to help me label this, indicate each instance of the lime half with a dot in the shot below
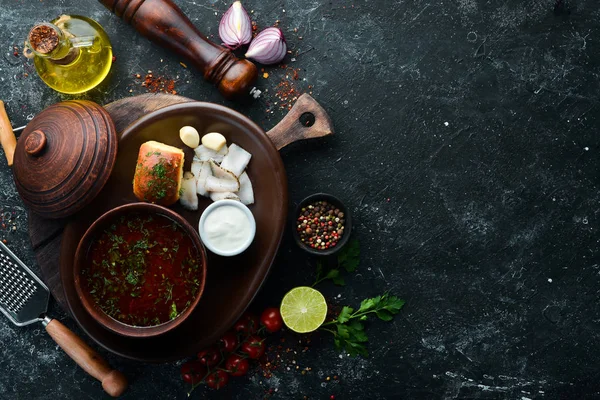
(303, 309)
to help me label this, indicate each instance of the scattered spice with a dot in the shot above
(114, 58)
(157, 84)
(8, 222)
(320, 225)
(182, 64)
(266, 75)
(287, 92)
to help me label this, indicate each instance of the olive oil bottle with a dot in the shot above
(72, 54)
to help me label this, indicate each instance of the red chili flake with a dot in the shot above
(158, 84)
(114, 58)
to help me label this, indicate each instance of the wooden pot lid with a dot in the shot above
(64, 157)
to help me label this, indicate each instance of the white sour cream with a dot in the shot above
(227, 228)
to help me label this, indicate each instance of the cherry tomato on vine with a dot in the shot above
(271, 319)
(217, 379)
(247, 324)
(228, 342)
(254, 347)
(193, 372)
(209, 356)
(237, 365)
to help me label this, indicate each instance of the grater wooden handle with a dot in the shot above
(7, 136)
(113, 382)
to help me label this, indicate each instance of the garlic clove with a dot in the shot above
(189, 136)
(214, 141)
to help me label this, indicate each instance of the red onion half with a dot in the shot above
(235, 28)
(268, 47)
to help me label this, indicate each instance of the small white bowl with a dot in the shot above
(206, 240)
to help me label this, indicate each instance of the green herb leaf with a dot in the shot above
(339, 281)
(345, 315)
(173, 313)
(349, 334)
(357, 349)
(393, 304)
(367, 304)
(349, 256)
(384, 315)
(332, 274)
(343, 331)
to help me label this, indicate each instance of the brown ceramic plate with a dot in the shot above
(231, 282)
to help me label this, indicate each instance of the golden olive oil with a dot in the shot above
(80, 58)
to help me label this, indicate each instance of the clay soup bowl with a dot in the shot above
(82, 259)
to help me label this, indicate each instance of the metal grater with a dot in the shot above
(23, 296)
(24, 300)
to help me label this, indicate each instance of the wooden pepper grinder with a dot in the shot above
(164, 23)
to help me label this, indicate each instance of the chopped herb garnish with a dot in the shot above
(132, 279)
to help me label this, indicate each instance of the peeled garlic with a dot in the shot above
(189, 136)
(214, 141)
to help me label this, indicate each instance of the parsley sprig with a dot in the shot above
(348, 259)
(349, 332)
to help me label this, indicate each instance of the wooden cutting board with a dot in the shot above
(46, 234)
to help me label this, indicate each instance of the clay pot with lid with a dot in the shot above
(63, 158)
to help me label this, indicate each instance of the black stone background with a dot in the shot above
(467, 151)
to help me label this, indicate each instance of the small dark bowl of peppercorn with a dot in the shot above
(322, 224)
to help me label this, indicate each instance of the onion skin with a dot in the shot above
(268, 47)
(235, 28)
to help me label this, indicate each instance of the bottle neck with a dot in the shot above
(50, 42)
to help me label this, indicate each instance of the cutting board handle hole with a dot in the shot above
(307, 119)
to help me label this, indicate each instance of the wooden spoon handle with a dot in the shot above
(113, 382)
(7, 136)
(306, 120)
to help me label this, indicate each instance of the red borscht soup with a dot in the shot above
(142, 270)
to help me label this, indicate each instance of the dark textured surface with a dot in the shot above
(477, 120)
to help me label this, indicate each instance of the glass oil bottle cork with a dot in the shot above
(72, 54)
